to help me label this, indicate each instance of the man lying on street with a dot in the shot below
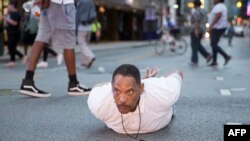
(129, 105)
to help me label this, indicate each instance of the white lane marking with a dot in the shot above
(101, 69)
(233, 123)
(238, 89)
(225, 92)
(219, 78)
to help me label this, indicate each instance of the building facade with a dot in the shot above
(125, 19)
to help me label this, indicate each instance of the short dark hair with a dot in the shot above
(128, 70)
(197, 3)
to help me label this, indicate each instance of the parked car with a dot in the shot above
(238, 31)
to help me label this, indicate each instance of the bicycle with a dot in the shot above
(174, 43)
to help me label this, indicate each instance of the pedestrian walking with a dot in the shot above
(230, 33)
(129, 105)
(46, 50)
(217, 27)
(12, 21)
(85, 16)
(1, 38)
(29, 29)
(96, 31)
(198, 20)
(57, 22)
(87, 57)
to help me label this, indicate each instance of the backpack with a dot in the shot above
(30, 24)
(86, 12)
(170, 24)
(199, 15)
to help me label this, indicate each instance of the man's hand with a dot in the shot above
(151, 72)
(209, 29)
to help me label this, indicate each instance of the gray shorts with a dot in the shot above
(58, 24)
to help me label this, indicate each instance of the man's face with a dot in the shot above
(126, 93)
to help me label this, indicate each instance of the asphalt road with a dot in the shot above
(210, 97)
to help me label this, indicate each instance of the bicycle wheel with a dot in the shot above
(160, 47)
(181, 46)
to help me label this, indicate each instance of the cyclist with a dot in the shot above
(172, 34)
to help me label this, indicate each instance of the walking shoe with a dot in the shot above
(227, 60)
(209, 58)
(24, 59)
(42, 64)
(90, 63)
(10, 64)
(28, 88)
(59, 59)
(78, 90)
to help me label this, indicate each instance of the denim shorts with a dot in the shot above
(58, 24)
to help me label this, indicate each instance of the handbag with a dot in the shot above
(43, 4)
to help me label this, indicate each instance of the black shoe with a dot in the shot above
(78, 90)
(209, 58)
(28, 88)
(90, 63)
(227, 60)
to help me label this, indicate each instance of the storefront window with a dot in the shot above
(3, 7)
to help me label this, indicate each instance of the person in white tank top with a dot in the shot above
(217, 27)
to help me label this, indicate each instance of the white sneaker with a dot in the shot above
(24, 59)
(59, 59)
(42, 64)
(10, 64)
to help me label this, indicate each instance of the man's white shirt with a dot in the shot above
(222, 23)
(155, 105)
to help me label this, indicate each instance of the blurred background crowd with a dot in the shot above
(127, 20)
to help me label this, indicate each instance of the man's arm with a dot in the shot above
(99, 101)
(168, 88)
(216, 19)
(11, 21)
